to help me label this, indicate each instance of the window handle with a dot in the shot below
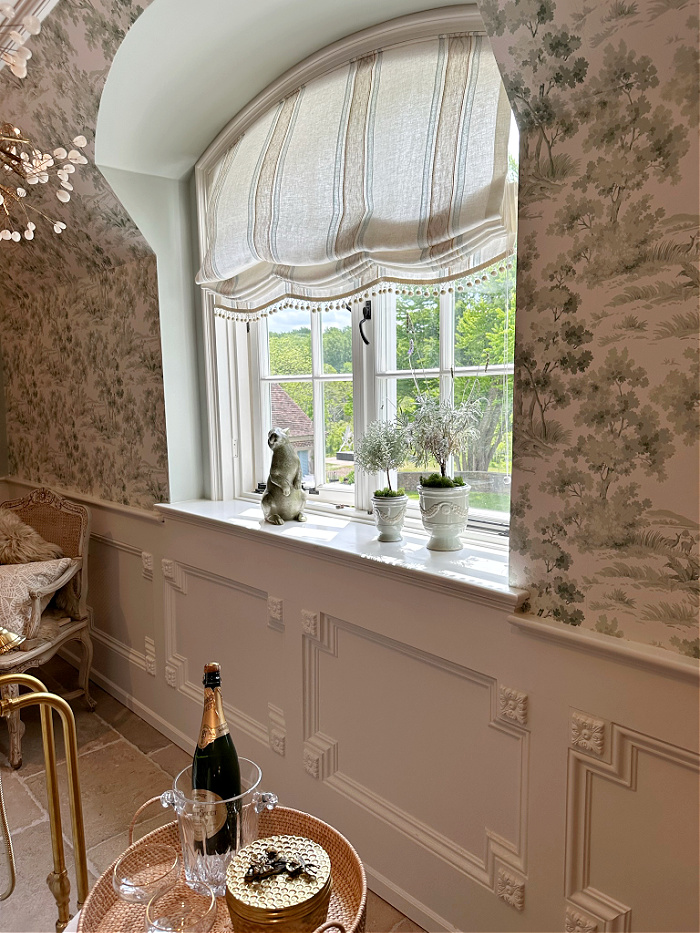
(366, 316)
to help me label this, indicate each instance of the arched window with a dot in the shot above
(369, 186)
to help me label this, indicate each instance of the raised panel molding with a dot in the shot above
(512, 705)
(140, 659)
(147, 565)
(175, 576)
(275, 613)
(150, 654)
(602, 912)
(511, 889)
(501, 858)
(137, 658)
(577, 923)
(588, 733)
(277, 729)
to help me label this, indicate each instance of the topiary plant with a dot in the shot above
(383, 447)
(438, 430)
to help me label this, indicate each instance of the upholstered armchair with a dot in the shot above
(58, 610)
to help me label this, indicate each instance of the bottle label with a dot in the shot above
(214, 724)
(208, 815)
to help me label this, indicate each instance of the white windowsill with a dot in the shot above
(479, 572)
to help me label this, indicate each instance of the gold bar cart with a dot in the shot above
(57, 880)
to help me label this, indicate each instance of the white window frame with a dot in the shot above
(239, 377)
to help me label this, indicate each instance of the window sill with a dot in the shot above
(479, 572)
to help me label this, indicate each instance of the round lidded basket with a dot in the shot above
(279, 902)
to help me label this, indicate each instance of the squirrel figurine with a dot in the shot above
(283, 499)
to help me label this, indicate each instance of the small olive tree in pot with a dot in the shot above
(436, 432)
(382, 448)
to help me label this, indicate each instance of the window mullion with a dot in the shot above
(255, 336)
(447, 353)
(319, 418)
(364, 390)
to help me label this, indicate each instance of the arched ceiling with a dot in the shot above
(185, 69)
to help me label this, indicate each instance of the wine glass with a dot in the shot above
(183, 908)
(145, 871)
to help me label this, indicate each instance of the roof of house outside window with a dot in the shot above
(288, 415)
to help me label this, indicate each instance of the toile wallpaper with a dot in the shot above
(605, 481)
(605, 484)
(79, 327)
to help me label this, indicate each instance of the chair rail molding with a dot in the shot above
(587, 748)
(501, 858)
(175, 577)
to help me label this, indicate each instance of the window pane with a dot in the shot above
(417, 332)
(289, 335)
(291, 408)
(337, 341)
(337, 399)
(480, 319)
(406, 392)
(486, 464)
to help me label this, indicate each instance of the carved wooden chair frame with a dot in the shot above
(67, 524)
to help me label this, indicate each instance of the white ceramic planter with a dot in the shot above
(389, 513)
(444, 513)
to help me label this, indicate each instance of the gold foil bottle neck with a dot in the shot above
(214, 722)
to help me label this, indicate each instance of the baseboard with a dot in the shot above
(146, 713)
(402, 900)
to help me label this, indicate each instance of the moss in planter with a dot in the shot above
(387, 493)
(436, 481)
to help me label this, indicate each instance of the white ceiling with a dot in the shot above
(185, 69)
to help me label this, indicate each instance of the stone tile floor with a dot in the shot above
(123, 760)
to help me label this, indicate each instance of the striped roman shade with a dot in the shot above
(391, 167)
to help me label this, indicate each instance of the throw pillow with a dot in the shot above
(17, 581)
(20, 544)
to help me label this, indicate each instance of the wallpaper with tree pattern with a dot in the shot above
(605, 484)
(79, 328)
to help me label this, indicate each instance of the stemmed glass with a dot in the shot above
(145, 871)
(183, 908)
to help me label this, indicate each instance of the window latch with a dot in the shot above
(366, 316)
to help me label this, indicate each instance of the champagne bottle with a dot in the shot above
(215, 772)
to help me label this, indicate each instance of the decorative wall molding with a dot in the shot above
(277, 729)
(93, 501)
(275, 613)
(175, 576)
(510, 889)
(606, 913)
(321, 754)
(512, 705)
(137, 658)
(150, 654)
(646, 657)
(577, 923)
(147, 564)
(588, 733)
(140, 659)
(310, 623)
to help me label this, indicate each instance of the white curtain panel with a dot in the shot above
(391, 167)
